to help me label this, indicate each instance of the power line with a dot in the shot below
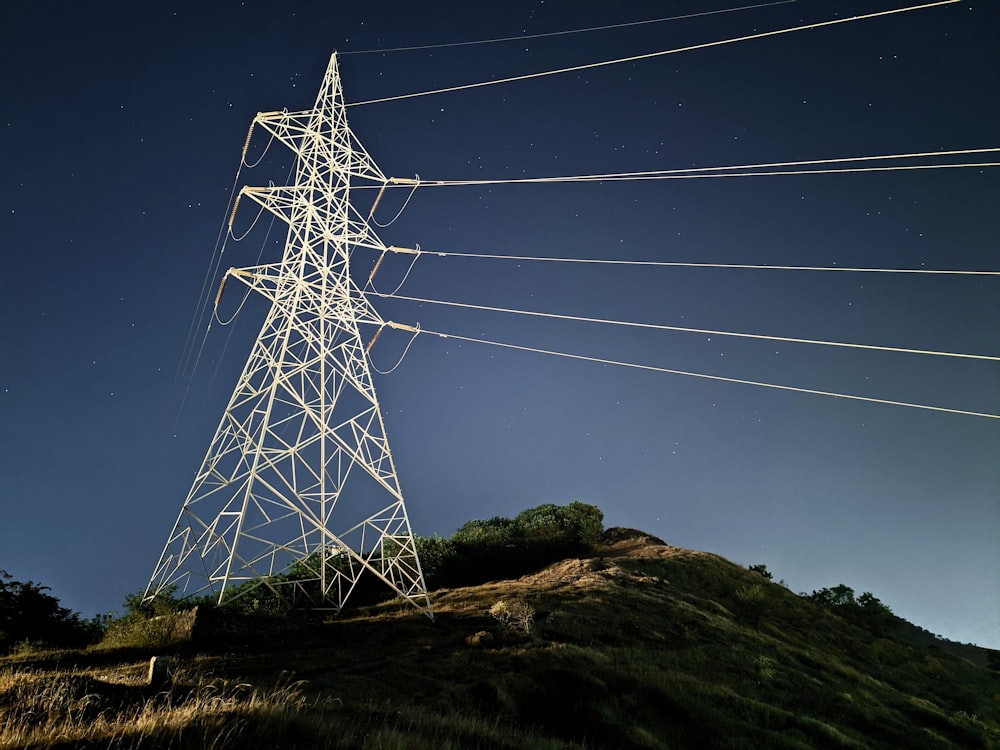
(681, 264)
(732, 170)
(649, 55)
(684, 329)
(215, 261)
(843, 170)
(523, 37)
(670, 371)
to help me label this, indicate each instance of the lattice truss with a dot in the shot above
(299, 474)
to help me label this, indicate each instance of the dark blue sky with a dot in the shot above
(121, 134)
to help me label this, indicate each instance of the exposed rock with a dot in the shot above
(618, 534)
(479, 639)
(159, 671)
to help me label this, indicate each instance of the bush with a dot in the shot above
(866, 610)
(576, 526)
(29, 615)
(752, 603)
(506, 548)
(150, 623)
(515, 616)
(139, 631)
(440, 560)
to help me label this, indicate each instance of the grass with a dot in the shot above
(78, 709)
(643, 646)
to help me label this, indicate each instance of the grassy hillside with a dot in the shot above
(637, 645)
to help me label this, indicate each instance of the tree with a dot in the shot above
(577, 526)
(838, 596)
(875, 614)
(761, 569)
(163, 603)
(865, 610)
(496, 531)
(504, 548)
(587, 521)
(440, 560)
(28, 613)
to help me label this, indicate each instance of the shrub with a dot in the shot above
(149, 623)
(515, 616)
(30, 615)
(139, 631)
(576, 526)
(439, 560)
(765, 667)
(505, 548)
(752, 603)
(866, 610)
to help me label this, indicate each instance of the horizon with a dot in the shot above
(123, 134)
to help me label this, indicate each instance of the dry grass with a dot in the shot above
(642, 646)
(47, 709)
(73, 709)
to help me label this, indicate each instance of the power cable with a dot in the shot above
(681, 264)
(213, 264)
(733, 170)
(670, 371)
(684, 329)
(649, 55)
(523, 37)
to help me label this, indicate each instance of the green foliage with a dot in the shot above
(157, 622)
(642, 647)
(587, 522)
(262, 598)
(496, 531)
(577, 525)
(301, 585)
(752, 603)
(480, 550)
(497, 548)
(865, 610)
(440, 560)
(32, 619)
(993, 661)
(765, 667)
(163, 603)
(761, 569)
(838, 596)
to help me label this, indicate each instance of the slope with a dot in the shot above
(641, 645)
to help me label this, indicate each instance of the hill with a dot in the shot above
(639, 644)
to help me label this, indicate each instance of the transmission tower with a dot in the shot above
(299, 477)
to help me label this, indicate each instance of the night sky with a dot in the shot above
(122, 130)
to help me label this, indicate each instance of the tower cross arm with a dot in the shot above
(291, 128)
(265, 280)
(303, 132)
(274, 281)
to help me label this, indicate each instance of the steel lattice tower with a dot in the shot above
(299, 472)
